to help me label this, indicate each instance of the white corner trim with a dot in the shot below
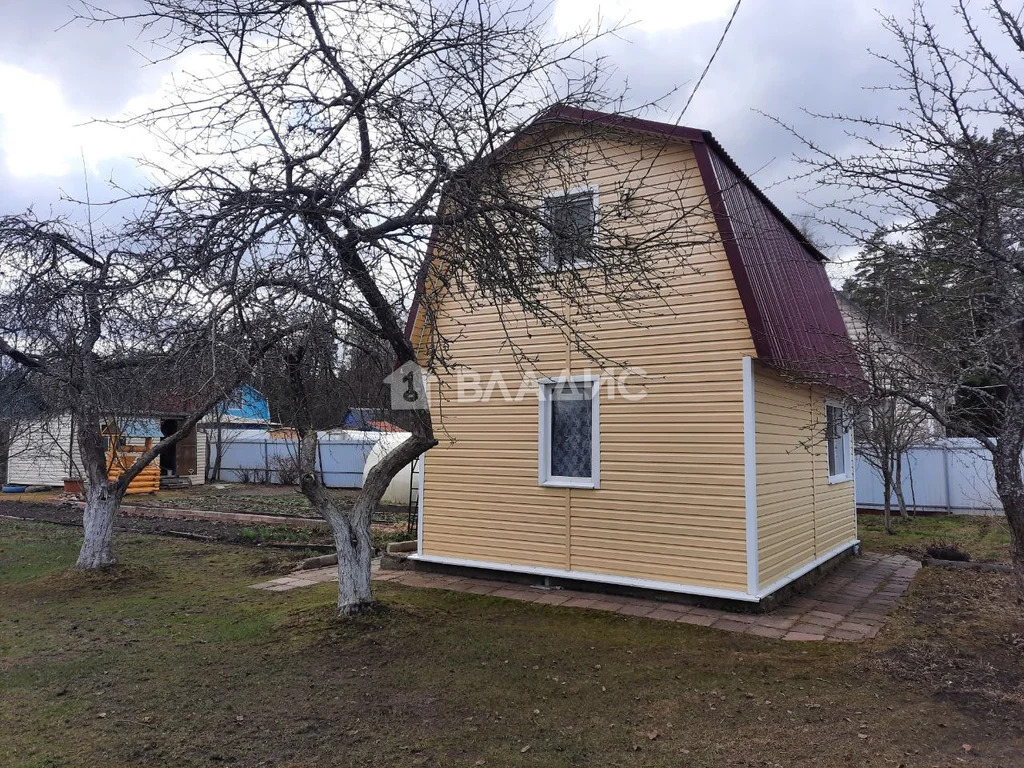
(794, 575)
(419, 505)
(601, 578)
(750, 475)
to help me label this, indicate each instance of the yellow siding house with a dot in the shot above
(731, 477)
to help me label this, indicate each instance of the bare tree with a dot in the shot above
(886, 426)
(107, 329)
(347, 152)
(310, 364)
(221, 433)
(941, 187)
(213, 471)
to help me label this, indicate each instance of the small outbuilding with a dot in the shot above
(45, 450)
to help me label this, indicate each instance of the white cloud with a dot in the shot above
(644, 15)
(41, 135)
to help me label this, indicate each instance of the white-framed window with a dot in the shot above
(837, 437)
(569, 436)
(572, 227)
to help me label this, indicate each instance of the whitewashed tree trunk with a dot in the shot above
(355, 555)
(101, 499)
(351, 527)
(101, 505)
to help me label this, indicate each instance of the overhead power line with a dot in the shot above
(714, 53)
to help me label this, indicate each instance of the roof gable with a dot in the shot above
(788, 301)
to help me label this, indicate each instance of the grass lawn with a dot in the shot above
(171, 660)
(984, 538)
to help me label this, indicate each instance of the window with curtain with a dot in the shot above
(569, 434)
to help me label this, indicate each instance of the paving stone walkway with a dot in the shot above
(850, 604)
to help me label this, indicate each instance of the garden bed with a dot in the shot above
(221, 532)
(280, 500)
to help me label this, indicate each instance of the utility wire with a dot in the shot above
(711, 60)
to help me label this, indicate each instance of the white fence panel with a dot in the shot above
(253, 456)
(952, 475)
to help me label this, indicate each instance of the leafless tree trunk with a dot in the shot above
(351, 526)
(5, 449)
(898, 485)
(1006, 461)
(101, 505)
(887, 493)
(351, 530)
(218, 461)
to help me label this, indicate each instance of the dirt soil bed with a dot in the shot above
(215, 532)
(960, 636)
(281, 500)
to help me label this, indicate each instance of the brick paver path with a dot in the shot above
(850, 604)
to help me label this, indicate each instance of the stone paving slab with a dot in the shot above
(849, 605)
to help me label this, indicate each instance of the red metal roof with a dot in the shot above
(791, 309)
(385, 426)
(787, 298)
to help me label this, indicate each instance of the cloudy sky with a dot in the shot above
(780, 57)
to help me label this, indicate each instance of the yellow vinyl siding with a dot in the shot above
(835, 516)
(801, 517)
(481, 498)
(670, 506)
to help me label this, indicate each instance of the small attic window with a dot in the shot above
(572, 222)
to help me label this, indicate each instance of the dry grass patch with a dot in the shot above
(960, 636)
